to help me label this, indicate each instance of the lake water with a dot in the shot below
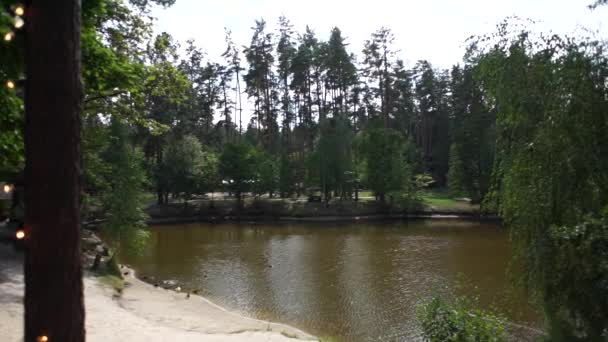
(350, 281)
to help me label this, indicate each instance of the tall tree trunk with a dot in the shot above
(226, 110)
(238, 90)
(54, 305)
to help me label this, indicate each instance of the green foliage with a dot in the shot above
(11, 105)
(385, 168)
(331, 159)
(287, 175)
(456, 173)
(124, 201)
(580, 278)
(458, 322)
(11, 133)
(551, 123)
(472, 149)
(266, 173)
(187, 169)
(236, 168)
(433, 114)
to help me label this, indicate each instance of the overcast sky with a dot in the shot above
(425, 29)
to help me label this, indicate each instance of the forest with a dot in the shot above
(520, 127)
(319, 114)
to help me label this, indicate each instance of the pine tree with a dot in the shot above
(260, 80)
(286, 52)
(341, 73)
(432, 130)
(403, 95)
(378, 54)
(233, 60)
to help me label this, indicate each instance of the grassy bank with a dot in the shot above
(438, 201)
(221, 206)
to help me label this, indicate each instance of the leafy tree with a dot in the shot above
(165, 89)
(472, 133)
(551, 120)
(236, 169)
(382, 152)
(266, 174)
(331, 160)
(286, 166)
(184, 166)
(287, 176)
(456, 177)
(124, 201)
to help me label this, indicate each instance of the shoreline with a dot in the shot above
(219, 320)
(328, 219)
(167, 220)
(140, 313)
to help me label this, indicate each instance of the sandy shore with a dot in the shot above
(142, 313)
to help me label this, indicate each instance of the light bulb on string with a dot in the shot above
(9, 36)
(7, 188)
(19, 22)
(20, 234)
(19, 10)
(10, 85)
(43, 338)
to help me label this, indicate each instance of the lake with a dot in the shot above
(351, 281)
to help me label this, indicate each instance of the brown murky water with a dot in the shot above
(350, 281)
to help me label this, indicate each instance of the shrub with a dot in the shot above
(458, 322)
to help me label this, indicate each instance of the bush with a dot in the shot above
(458, 322)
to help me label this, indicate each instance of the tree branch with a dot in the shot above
(103, 96)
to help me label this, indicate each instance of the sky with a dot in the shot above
(434, 30)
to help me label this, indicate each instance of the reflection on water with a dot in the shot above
(356, 282)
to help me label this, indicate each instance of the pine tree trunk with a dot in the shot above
(54, 304)
(238, 90)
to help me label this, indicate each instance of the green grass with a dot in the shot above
(109, 274)
(328, 339)
(442, 201)
(118, 284)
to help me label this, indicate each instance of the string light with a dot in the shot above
(19, 22)
(19, 10)
(20, 235)
(7, 188)
(10, 84)
(9, 36)
(43, 338)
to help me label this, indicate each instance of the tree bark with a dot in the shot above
(54, 305)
